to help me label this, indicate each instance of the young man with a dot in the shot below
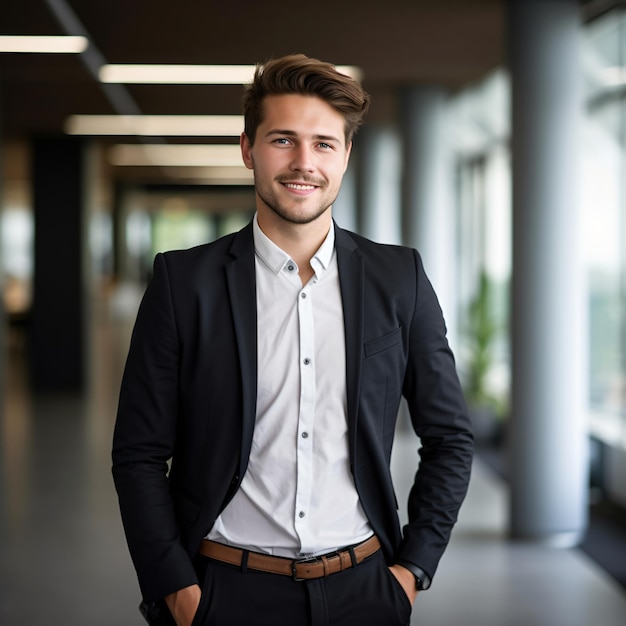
(268, 366)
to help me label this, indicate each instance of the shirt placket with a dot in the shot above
(304, 471)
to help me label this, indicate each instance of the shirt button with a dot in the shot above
(291, 267)
(305, 435)
(301, 514)
(307, 361)
(303, 295)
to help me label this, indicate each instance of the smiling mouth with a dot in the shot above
(300, 187)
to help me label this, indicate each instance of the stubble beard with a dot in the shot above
(293, 215)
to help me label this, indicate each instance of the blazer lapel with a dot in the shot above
(351, 278)
(240, 277)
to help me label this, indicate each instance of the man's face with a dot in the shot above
(299, 157)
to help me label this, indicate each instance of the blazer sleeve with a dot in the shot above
(144, 440)
(440, 418)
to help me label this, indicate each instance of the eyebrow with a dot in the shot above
(292, 133)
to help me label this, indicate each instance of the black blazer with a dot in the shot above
(189, 391)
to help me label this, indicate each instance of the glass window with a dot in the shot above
(16, 230)
(604, 214)
(478, 117)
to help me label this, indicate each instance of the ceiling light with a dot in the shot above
(181, 155)
(240, 175)
(43, 44)
(190, 74)
(183, 74)
(156, 125)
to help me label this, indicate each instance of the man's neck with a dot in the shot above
(299, 241)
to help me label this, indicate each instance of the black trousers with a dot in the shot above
(365, 595)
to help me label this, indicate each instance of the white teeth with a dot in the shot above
(299, 187)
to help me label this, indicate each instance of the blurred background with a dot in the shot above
(495, 145)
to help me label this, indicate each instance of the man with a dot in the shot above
(268, 367)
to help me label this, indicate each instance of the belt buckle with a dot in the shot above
(296, 562)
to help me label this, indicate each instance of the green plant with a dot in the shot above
(481, 333)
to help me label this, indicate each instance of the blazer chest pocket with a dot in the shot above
(380, 344)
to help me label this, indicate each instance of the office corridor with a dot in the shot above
(63, 558)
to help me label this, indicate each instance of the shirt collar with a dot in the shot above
(275, 258)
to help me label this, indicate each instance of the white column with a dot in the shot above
(428, 188)
(380, 199)
(548, 461)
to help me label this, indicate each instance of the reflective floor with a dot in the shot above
(63, 559)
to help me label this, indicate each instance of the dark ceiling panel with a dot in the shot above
(449, 42)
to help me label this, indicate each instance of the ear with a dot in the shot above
(246, 151)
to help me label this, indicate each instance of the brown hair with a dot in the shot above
(299, 74)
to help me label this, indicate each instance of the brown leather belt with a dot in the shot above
(298, 569)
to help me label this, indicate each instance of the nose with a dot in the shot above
(302, 159)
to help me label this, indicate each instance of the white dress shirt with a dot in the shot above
(298, 495)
